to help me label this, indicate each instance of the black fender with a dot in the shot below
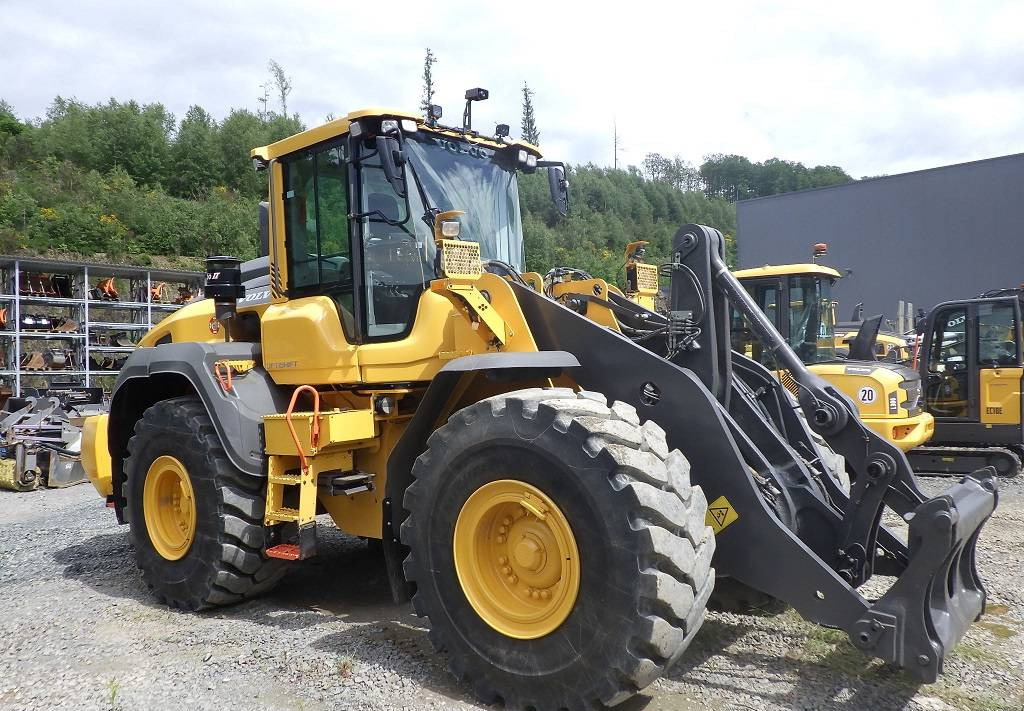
(499, 366)
(176, 369)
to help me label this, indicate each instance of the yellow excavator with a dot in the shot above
(536, 465)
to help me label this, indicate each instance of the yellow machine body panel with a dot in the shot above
(884, 406)
(1000, 395)
(595, 289)
(95, 455)
(337, 427)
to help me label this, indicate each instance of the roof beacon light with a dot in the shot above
(820, 250)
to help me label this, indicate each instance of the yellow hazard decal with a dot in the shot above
(720, 514)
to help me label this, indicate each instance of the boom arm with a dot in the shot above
(798, 536)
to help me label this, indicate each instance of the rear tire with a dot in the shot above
(644, 562)
(225, 561)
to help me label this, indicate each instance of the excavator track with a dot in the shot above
(960, 460)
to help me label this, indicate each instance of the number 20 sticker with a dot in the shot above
(867, 395)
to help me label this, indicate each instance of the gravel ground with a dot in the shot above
(79, 631)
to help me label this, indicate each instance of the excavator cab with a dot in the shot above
(970, 361)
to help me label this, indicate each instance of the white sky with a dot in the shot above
(875, 87)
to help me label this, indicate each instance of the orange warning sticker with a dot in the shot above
(720, 514)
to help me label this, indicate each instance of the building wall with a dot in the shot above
(924, 237)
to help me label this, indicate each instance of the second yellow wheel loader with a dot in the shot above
(537, 476)
(797, 299)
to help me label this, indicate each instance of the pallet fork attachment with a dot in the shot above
(789, 530)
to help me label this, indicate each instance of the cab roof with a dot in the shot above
(340, 126)
(772, 270)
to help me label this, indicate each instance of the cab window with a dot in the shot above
(397, 255)
(997, 335)
(316, 216)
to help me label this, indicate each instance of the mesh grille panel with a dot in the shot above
(647, 277)
(460, 258)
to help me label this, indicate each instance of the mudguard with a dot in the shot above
(175, 369)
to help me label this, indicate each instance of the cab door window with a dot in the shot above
(948, 384)
(397, 255)
(317, 222)
(997, 335)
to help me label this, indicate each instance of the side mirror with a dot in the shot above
(559, 186)
(391, 157)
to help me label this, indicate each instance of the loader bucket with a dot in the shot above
(939, 594)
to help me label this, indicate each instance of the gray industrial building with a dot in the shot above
(920, 237)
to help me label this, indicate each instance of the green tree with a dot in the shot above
(428, 82)
(282, 84)
(528, 126)
(194, 155)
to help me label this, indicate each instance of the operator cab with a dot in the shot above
(972, 366)
(360, 199)
(797, 298)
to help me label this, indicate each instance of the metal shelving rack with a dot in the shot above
(92, 315)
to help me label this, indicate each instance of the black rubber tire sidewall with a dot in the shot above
(187, 578)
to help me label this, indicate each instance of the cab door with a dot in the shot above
(768, 295)
(999, 361)
(950, 391)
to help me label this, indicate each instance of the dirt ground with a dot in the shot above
(79, 631)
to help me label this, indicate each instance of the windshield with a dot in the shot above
(459, 176)
(811, 319)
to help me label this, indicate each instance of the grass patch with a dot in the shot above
(972, 652)
(113, 689)
(997, 629)
(979, 700)
(346, 667)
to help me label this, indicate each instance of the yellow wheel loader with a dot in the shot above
(797, 299)
(536, 468)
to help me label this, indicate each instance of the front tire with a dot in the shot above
(593, 484)
(196, 520)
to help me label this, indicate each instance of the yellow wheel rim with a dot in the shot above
(169, 507)
(516, 559)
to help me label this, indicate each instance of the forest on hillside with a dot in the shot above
(129, 182)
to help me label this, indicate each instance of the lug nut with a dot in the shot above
(506, 570)
(501, 539)
(506, 520)
(503, 530)
(546, 594)
(503, 560)
(512, 579)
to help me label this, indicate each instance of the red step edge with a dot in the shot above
(284, 551)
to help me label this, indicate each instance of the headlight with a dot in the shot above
(450, 228)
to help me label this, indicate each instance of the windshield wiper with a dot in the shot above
(430, 212)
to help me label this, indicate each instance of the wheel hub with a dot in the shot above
(169, 507)
(516, 559)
